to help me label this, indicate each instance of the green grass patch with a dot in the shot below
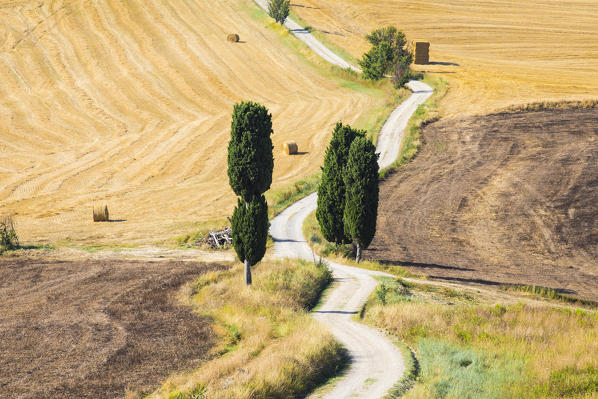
(454, 371)
(93, 248)
(470, 347)
(549, 293)
(279, 200)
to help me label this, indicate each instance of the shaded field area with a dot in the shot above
(507, 198)
(91, 329)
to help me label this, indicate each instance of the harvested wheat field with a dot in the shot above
(92, 328)
(128, 103)
(493, 53)
(504, 198)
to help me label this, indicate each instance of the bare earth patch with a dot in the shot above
(95, 328)
(504, 198)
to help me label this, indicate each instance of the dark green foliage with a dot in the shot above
(279, 10)
(250, 229)
(250, 160)
(377, 62)
(402, 73)
(331, 192)
(388, 50)
(361, 192)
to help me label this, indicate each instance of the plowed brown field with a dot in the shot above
(493, 53)
(96, 328)
(128, 103)
(504, 198)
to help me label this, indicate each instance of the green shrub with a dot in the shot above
(8, 236)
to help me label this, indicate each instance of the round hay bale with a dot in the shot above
(290, 148)
(100, 213)
(233, 38)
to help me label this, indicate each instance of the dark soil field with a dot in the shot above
(95, 329)
(504, 198)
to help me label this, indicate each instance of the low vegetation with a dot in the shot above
(470, 347)
(343, 253)
(270, 346)
(8, 236)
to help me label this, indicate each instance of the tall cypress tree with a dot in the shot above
(331, 192)
(250, 165)
(361, 193)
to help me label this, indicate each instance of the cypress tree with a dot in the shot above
(361, 194)
(250, 232)
(250, 165)
(331, 192)
(279, 10)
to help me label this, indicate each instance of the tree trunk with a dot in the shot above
(247, 272)
(358, 253)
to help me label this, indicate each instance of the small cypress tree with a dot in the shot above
(331, 191)
(250, 232)
(361, 194)
(279, 10)
(250, 165)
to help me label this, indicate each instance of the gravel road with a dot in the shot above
(376, 363)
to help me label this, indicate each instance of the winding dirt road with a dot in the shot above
(376, 363)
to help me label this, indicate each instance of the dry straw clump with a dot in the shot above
(233, 38)
(290, 147)
(100, 214)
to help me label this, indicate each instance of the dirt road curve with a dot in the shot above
(376, 363)
(312, 42)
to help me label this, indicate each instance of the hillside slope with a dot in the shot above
(504, 198)
(129, 103)
(493, 53)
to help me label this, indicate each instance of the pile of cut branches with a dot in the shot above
(215, 239)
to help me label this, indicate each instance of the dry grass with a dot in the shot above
(271, 347)
(555, 348)
(507, 53)
(130, 103)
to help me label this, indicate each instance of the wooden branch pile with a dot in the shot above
(215, 239)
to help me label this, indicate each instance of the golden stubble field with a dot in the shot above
(507, 52)
(128, 103)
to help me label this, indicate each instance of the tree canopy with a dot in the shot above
(389, 49)
(250, 159)
(331, 191)
(279, 10)
(361, 193)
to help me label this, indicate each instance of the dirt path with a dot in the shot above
(376, 363)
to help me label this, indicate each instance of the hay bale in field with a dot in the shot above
(290, 147)
(100, 214)
(421, 52)
(233, 38)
